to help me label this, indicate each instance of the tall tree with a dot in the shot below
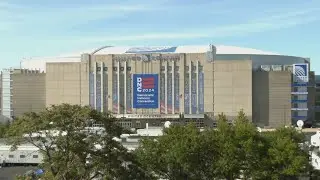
(227, 161)
(251, 148)
(286, 156)
(180, 153)
(71, 150)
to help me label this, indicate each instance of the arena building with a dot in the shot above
(181, 84)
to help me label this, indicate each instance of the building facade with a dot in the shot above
(183, 84)
(22, 91)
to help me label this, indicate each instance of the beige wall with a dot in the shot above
(66, 83)
(28, 92)
(232, 87)
(272, 98)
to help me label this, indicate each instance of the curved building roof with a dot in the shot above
(40, 62)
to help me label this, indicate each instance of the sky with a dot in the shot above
(36, 28)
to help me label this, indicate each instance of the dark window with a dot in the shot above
(105, 68)
(11, 156)
(317, 115)
(115, 68)
(121, 68)
(35, 156)
(22, 156)
(99, 69)
(128, 68)
(162, 68)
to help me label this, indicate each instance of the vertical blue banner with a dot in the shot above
(186, 94)
(169, 93)
(162, 94)
(145, 91)
(98, 92)
(91, 89)
(105, 92)
(194, 104)
(176, 93)
(115, 93)
(201, 92)
(129, 93)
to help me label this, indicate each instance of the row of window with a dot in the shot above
(23, 156)
(162, 68)
(114, 69)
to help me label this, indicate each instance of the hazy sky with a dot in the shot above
(53, 27)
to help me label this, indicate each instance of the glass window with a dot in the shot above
(22, 156)
(11, 156)
(35, 156)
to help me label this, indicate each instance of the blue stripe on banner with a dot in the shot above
(105, 92)
(129, 93)
(186, 94)
(176, 92)
(194, 93)
(91, 89)
(201, 93)
(98, 92)
(169, 93)
(115, 93)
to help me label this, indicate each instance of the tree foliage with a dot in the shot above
(226, 152)
(71, 150)
(4, 126)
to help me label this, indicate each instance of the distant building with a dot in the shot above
(180, 84)
(21, 91)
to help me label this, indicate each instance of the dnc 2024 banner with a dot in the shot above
(145, 91)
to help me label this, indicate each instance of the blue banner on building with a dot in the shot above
(115, 93)
(201, 92)
(145, 91)
(169, 93)
(98, 92)
(91, 89)
(176, 93)
(194, 103)
(186, 94)
(301, 73)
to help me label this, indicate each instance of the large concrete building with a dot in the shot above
(184, 83)
(21, 91)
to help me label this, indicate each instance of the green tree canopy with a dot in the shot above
(229, 151)
(4, 126)
(71, 149)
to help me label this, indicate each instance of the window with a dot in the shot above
(11, 156)
(105, 68)
(162, 68)
(169, 68)
(22, 156)
(115, 68)
(98, 69)
(121, 68)
(35, 156)
(128, 68)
